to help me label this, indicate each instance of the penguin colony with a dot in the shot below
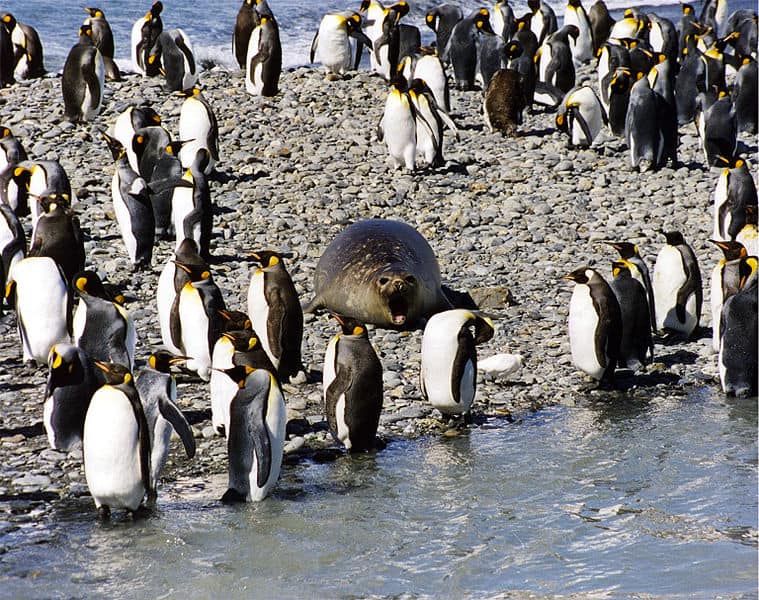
(652, 77)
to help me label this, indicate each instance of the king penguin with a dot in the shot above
(191, 206)
(581, 116)
(57, 234)
(554, 59)
(12, 245)
(116, 444)
(83, 79)
(352, 387)
(132, 207)
(398, 125)
(145, 32)
(449, 359)
(462, 47)
(276, 313)
(38, 290)
(642, 132)
(331, 44)
(745, 95)
(102, 327)
(430, 123)
(636, 346)
(677, 286)
(630, 253)
(717, 127)
(247, 19)
(71, 381)
(198, 128)
(173, 50)
(263, 64)
(725, 282)
(102, 37)
(126, 125)
(595, 325)
(735, 191)
(256, 436)
(158, 395)
(582, 46)
(543, 20)
(737, 359)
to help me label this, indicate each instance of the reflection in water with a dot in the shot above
(606, 500)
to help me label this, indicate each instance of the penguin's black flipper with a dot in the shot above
(248, 435)
(179, 41)
(314, 44)
(144, 435)
(583, 125)
(175, 324)
(339, 386)
(260, 57)
(91, 79)
(174, 416)
(465, 352)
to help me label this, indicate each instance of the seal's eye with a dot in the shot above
(383, 281)
(411, 280)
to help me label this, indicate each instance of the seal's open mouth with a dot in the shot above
(398, 306)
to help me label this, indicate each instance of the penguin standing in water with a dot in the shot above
(737, 359)
(677, 286)
(83, 79)
(430, 121)
(331, 44)
(102, 37)
(442, 19)
(38, 290)
(256, 436)
(131, 204)
(71, 381)
(352, 387)
(276, 313)
(726, 281)
(735, 191)
(398, 125)
(582, 45)
(462, 47)
(145, 32)
(116, 444)
(595, 325)
(629, 252)
(195, 321)
(263, 64)
(581, 116)
(235, 348)
(102, 328)
(636, 346)
(449, 359)
(173, 50)
(57, 234)
(158, 395)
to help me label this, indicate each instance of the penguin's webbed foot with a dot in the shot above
(232, 496)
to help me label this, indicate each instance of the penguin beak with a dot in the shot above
(177, 360)
(102, 366)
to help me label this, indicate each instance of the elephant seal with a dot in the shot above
(380, 272)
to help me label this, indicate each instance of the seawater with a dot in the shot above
(653, 499)
(210, 24)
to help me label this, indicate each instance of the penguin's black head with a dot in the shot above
(364, 5)
(238, 374)
(156, 9)
(399, 83)
(196, 272)
(144, 116)
(351, 326)
(620, 81)
(574, 3)
(5, 132)
(114, 145)
(85, 33)
(174, 147)
(187, 252)
(674, 238)
(573, 31)
(732, 250)
(88, 282)
(620, 268)
(582, 275)
(243, 340)
(9, 21)
(533, 5)
(626, 249)
(95, 13)
(189, 92)
(115, 374)
(398, 10)
(162, 360)
(734, 162)
(267, 258)
(54, 203)
(687, 9)
(234, 320)
(482, 21)
(139, 143)
(202, 158)
(420, 87)
(62, 358)
(514, 50)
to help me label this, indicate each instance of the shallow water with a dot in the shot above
(605, 500)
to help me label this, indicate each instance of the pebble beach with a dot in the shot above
(506, 217)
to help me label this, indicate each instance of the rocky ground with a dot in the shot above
(507, 217)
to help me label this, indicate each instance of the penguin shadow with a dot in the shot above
(538, 132)
(620, 410)
(627, 379)
(450, 168)
(226, 177)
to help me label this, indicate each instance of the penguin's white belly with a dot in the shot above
(439, 347)
(122, 218)
(90, 105)
(254, 83)
(383, 67)
(545, 60)
(328, 371)
(716, 304)
(582, 49)
(192, 315)
(79, 321)
(536, 24)
(655, 38)
(258, 310)
(430, 70)
(720, 197)
(343, 432)
(583, 325)
(275, 424)
(195, 125)
(223, 389)
(135, 38)
(376, 15)
(427, 135)
(334, 50)
(111, 451)
(41, 304)
(181, 206)
(399, 129)
(669, 277)
(165, 299)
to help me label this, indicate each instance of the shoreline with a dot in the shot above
(506, 217)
